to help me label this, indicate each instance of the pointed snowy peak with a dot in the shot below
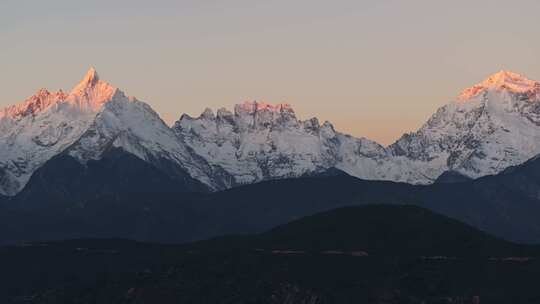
(507, 78)
(255, 106)
(503, 80)
(40, 101)
(208, 114)
(91, 75)
(42, 93)
(91, 79)
(92, 92)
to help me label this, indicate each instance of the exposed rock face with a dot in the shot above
(260, 141)
(95, 116)
(488, 128)
(491, 126)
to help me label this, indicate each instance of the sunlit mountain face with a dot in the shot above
(94, 117)
(504, 81)
(45, 125)
(488, 128)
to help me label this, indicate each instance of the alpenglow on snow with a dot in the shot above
(489, 127)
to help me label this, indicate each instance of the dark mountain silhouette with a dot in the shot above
(387, 230)
(65, 179)
(452, 177)
(368, 254)
(126, 198)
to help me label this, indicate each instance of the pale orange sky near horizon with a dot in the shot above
(375, 69)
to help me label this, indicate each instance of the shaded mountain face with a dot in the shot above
(369, 254)
(37, 130)
(505, 205)
(64, 179)
(452, 177)
(385, 230)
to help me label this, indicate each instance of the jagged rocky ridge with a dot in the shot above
(94, 118)
(489, 127)
(260, 142)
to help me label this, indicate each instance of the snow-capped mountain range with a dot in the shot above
(84, 123)
(489, 127)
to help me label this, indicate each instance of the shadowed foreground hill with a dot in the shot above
(370, 254)
(505, 205)
(65, 179)
(387, 230)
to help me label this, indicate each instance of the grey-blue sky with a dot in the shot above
(374, 68)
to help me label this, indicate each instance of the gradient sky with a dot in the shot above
(374, 68)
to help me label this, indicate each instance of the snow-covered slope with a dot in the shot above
(491, 126)
(84, 123)
(43, 126)
(261, 141)
(132, 125)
